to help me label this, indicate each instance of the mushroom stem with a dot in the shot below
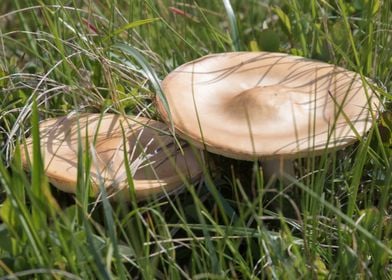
(276, 168)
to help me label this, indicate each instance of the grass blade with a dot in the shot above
(235, 36)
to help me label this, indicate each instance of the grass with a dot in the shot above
(333, 221)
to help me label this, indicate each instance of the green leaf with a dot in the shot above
(376, 6)
(3, 79)
(269, 41)
(7, 211)
(339, 34)
(43, 202)
(285, 20)
(130, 26)
(5, 239)
(254, 47)
(7, 214)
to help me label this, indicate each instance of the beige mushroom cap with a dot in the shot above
(249, 105)
(155, 160)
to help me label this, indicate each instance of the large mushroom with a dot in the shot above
(156, 161)
(260, 105)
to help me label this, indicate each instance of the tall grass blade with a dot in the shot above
(149, 72)
(129, 26)
(235, 36)
(341, 215)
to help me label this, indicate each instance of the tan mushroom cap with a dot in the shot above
(249, 105)
(155, 160)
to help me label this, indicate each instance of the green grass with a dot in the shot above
(334, 221)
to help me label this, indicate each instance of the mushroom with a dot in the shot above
(261, 105)
(156, 161)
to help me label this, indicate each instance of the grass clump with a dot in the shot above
(59, 57)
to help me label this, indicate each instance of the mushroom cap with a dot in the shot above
(156, 162)
(249, 105)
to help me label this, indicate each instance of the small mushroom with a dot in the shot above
(260, 105)
(156, 161)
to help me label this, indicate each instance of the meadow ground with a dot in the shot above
(333, 221)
